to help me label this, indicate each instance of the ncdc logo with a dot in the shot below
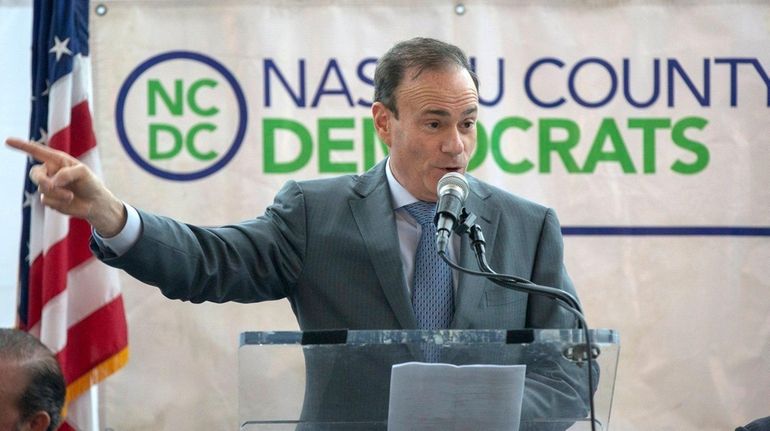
(181, 115)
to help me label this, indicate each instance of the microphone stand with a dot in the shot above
(468, 226)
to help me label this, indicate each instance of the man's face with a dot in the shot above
(435, 131)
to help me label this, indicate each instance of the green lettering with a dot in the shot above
(680, 140)
(193, 101)
(190, 141)
(370, 139)
(176, 135)
(497, 153)
(326, 145)
(608, 132)
(482, 146)
(155, 89)
(269, 128)
(549, 144)
(649, 126)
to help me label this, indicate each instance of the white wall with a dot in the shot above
(15, 42)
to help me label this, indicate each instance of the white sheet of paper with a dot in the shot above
(450, 397)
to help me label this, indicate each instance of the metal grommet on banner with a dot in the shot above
(460, 9)
(101, 9)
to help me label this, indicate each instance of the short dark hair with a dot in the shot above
(46, 389)
(421, 53)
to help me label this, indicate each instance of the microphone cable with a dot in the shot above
(512, 282)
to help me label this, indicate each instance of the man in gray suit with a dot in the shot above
(342, 250)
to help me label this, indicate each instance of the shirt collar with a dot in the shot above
(399, 196)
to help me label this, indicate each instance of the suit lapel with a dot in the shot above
(470, 288)
(373, 214)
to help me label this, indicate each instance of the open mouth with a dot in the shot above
(451, 169)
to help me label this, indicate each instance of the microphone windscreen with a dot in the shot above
(453, 182)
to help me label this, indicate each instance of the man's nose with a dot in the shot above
(453, 144)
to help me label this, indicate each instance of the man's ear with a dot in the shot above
(39, 421)
(382, 116)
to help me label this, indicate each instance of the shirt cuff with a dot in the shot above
(126, 238)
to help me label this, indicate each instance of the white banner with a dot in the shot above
(644, 124)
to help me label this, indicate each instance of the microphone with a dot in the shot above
(452, 189)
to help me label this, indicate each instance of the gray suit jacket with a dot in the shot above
(330, 247)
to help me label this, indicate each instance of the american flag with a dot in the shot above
(67, 298)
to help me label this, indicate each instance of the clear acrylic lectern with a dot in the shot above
(340, 380)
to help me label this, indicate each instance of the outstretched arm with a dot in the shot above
(70, 187)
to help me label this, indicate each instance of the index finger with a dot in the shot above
(39, 152)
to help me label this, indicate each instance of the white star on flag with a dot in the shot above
(45, 92)
(43, 140)
(60, 47)
(28, 197)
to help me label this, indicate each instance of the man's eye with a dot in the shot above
(469, 124)
(433, 124)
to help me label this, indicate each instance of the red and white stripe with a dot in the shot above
(75, 304)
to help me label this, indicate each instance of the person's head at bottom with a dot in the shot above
(32, 388)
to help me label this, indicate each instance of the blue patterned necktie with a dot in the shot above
(432, 290)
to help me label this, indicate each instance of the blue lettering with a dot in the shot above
(528, 79)
(734, 62)
(500, 82)
(764, 76)
(332, 66)
(703, 98)
(613, 82)
(366, 79)
(627, 84)
(298, 97)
